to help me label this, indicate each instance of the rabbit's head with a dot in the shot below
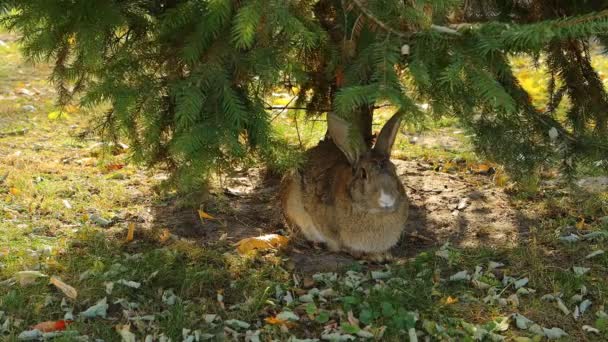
(373, 185)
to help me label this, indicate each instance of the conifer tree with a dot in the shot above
(186, 80)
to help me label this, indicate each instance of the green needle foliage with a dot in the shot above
(186, 80)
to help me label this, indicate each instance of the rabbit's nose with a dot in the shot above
(386, 200)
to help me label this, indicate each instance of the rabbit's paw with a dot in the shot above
(380, 257)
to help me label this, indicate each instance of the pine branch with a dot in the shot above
(405, 35)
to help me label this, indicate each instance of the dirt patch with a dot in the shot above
(244, 206)
(464, 209)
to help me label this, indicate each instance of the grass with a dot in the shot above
(55, 183)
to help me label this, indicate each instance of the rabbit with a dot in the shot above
(348, 195)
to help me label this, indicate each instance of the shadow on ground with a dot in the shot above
(463, 209)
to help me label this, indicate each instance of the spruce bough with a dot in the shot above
(186, 80)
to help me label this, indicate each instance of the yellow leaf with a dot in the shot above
(269, 241)
(69, 291)
(580, 224)
(130, 232)
(57, 115)
(450, 300)
(277, 321)
(204, 215)
(71, 109)
(164, 235)
(14, 191)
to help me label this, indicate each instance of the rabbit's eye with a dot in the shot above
(363, 173)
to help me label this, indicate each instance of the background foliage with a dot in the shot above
(187, 80)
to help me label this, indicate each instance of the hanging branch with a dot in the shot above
(405, 35)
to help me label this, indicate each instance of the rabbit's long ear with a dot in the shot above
(386, 138)
(341, 133)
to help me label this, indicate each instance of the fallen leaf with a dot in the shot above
(54, 115)
(67, 204)
(165, 235)
(376, 275)
(50, 326)
(553, 133)
(114, 167)
(307, 298)
(71, 109)
(520, 283)
(277, 321)
(109, 287)
(569, 238)
(125, 333)
(580, 224)
(28, 277)
(288, 316)
(584, 306)
(494, 265)
(130, 232)
(594, 254)
(513, 299)
(590, 329)
(209, 318)
(14, 191)
(68, 290)
(129, 283)
(203, 215)
(554, 333)
(562, 306)
(30, 335)
(98, 310)
(450, 300)
(480, 284)
(168, 297)
(444, 253)
(235, 323)
(336, 336)
(462, 275)
(269, 241)
(594, 235)
(578, 270)
(100, 221)
(522, 322)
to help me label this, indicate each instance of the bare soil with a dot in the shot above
(246, 205)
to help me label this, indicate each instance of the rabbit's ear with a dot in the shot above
(386, 138)
(340, 132)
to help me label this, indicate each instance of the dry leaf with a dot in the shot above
(98, 310)
(580, 224)
(114, 167)
(14, 191)
(203, 215)
(277, 321)
(27, 277)
(164, 235)
(51, 326)
(69, 291)
(268, 241)
(130, 232)
(71, 109)
(450, 300)
(125, 333)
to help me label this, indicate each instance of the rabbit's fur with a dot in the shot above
(347, 195)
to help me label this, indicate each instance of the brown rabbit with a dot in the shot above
(348, 195)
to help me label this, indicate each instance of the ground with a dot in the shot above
(477, 259)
